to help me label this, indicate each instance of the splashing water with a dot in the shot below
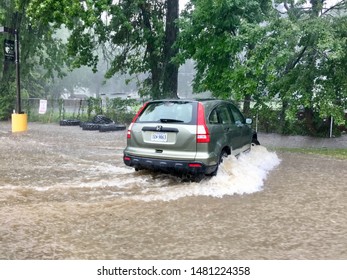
(99, 181)
(242, 175)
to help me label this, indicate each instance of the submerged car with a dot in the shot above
(187, 137)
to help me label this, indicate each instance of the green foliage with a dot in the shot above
(7, 100)
(295, 53)
(217, 35)
(41, 55)
(307, 59)
(131, 34)
(267, 118)
(121, 110)
(247, 48)
(94, 106)
(61, 108)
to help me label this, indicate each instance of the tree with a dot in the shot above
(40, 56)
(170, 50)
(294, 52)
(136, 36)
(306, 53)
(218, 36)
(7, 78)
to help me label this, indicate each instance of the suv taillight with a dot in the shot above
(134, 120)
(202, 133)
(129, 130)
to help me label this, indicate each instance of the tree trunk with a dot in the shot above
(153, 59)
(283, 117)
(170, 75)
(309, 122)
(247, 105)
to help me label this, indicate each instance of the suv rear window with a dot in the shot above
(168, 112)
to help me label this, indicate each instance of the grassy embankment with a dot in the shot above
(335, 153)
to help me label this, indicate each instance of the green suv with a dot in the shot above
(186, 137)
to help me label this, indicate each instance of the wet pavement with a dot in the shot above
(66, 194)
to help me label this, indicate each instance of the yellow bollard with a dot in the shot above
(19, 122)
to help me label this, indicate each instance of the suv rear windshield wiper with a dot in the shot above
(170, 121)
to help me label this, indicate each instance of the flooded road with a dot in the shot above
(66, 194)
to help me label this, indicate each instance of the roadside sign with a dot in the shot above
(9, 50)
(43, 106)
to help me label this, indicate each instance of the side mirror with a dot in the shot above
(249, 121)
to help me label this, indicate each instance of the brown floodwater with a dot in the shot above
(66, 194)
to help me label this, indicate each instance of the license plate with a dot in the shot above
(159, 137)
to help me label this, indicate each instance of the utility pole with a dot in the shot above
(16, 41)
(19, 119)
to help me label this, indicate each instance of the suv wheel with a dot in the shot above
(255, 139)
(222, 156)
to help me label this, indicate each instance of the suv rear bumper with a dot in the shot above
(169, 166)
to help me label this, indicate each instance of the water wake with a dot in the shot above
(91, 181)
(242, 175)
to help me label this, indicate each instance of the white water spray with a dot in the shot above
(242, 175)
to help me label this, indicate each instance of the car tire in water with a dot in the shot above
(255, 142)
(255, 139)
(111, 127)
(223, 155)
(198, 178)
(90, 126)
(69, 122)
(100, 119)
